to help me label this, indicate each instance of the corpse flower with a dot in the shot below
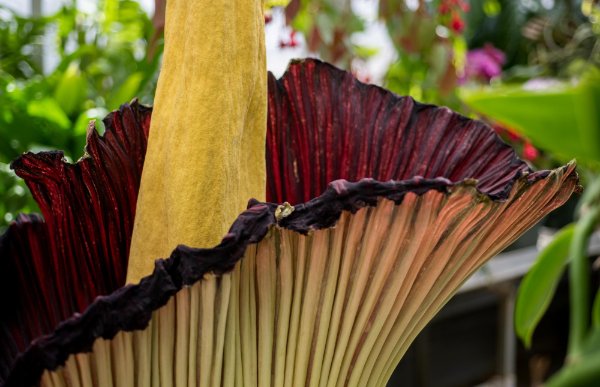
(393, 205)
(346, 279)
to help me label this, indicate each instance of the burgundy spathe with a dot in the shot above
(323, 126)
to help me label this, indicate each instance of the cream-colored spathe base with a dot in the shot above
(336, 308)
(206, 149)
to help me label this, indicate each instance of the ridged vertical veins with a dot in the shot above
(324, 125)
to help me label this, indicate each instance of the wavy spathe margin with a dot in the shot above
(131, 307)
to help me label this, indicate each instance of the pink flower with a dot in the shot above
(483, 64)
(291, 42)
(530, 152)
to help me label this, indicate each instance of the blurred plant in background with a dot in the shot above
(327, 26)
(553, 102)
(106, 57)
(561, 117)
(427, 38)
(431, 48)
(440, 45)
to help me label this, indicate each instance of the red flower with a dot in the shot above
(464, 6)
(530, 152)
(457, 23)
(444, 8)
(292, 41)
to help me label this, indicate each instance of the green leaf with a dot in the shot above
(539, 285)
(584, 374)
(492, 7)
(365, 52)
(596, 311)
(563, 119)
(460, 48)
(71, 89)
(303, 21)
(583, 371)
(49, 110)
(126, 91)
(14, 197)
(354, 23)
(83, 121)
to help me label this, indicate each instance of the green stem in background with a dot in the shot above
(579, 274)
(583, 374)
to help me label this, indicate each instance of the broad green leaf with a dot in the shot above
(563, 119)
(539, 285)
(354, 24)
(110, 13)
(592, 344)
(71, 89)
(126, 91)
(50, 110)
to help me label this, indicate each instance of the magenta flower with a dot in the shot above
(396, 203)
(483, 64)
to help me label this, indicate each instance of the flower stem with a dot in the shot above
(579, 375)
(579, 274)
